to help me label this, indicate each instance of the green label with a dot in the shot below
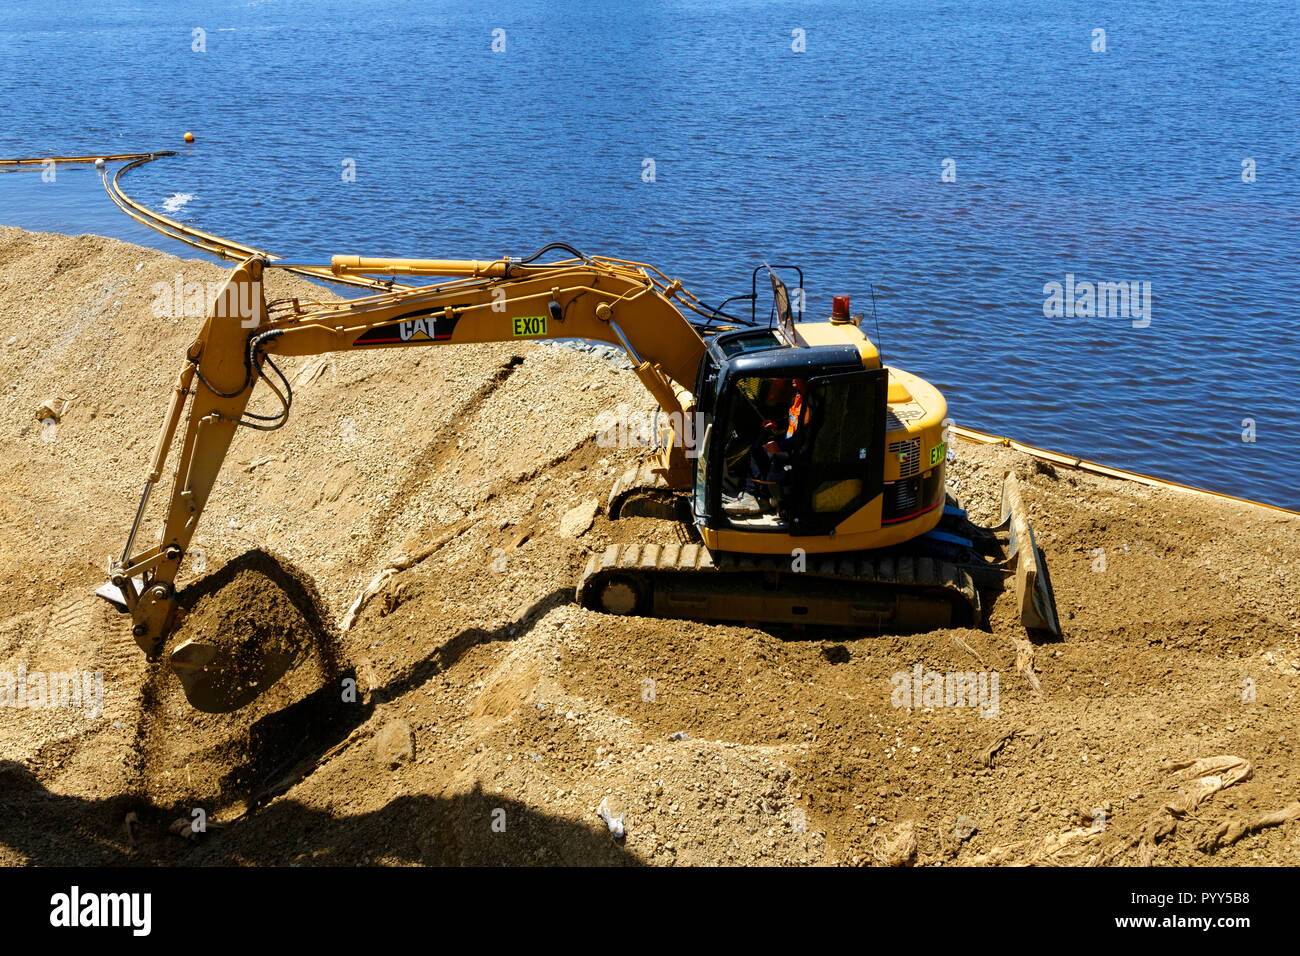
(529, 325)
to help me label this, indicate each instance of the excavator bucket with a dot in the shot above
(218, 679)
(1033, 586)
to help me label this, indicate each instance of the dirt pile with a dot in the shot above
(263, 623)
(493, 721)
(261, 616)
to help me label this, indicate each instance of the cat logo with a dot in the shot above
(418, 330)
(529, 325)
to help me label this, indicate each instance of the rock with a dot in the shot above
(577, 520)
(615, 824)
(182, 828)
(52, 408)
(900, 848)
(395, 743)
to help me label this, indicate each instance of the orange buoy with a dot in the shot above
(189, 137)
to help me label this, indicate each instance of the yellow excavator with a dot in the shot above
(809, 474)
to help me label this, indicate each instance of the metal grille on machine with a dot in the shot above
(901, 496)
(909, 456)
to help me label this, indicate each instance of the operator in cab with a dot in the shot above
(785, 410)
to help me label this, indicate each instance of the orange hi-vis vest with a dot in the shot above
(796, 416)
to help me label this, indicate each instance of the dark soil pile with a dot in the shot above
(262, 617)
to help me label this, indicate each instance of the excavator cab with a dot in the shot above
(795, 436)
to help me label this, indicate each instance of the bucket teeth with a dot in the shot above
(217, 681)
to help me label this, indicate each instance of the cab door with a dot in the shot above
(839, 452)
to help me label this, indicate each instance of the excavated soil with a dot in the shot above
(472, 713)
(264, 616)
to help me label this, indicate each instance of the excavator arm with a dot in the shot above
(608, 300)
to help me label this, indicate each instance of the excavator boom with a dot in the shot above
(499, 301)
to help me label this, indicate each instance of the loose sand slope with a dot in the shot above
(493, 717)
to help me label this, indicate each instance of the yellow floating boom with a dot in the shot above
(1083, 464)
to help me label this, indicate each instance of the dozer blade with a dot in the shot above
(1034, 595)
(218, 680)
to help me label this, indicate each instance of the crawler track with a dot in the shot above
(901, 594)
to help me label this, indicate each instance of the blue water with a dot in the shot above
(1117, 166)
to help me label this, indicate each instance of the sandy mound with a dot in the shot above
(496, 722)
